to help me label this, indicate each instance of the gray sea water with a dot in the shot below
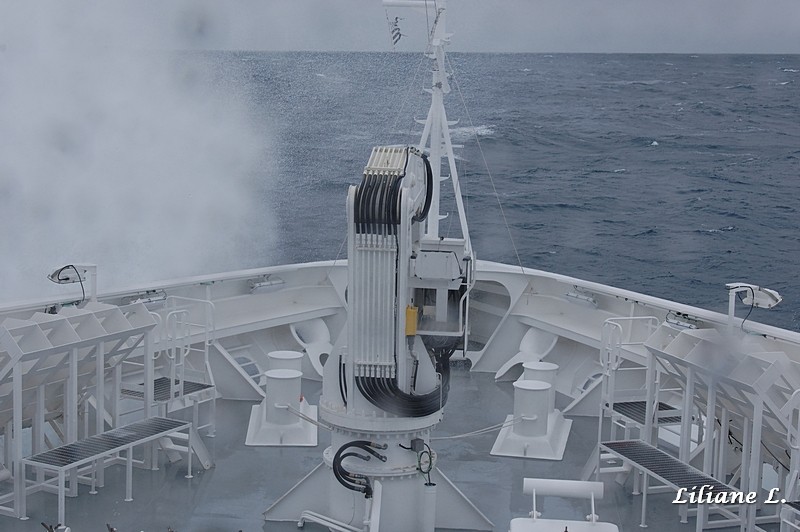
(664, 174)
(669, 175)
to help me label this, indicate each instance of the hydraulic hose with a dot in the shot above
(385, 393)
(355, 481)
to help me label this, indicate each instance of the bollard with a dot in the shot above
(283, 388)
(531, 399)
(545, 372)
(285, 360)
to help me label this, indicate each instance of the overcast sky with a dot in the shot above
(682, 26)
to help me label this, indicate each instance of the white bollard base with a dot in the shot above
(300, 434)
(547, 447)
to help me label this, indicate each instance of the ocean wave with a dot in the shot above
(461, 134)
(697, 190)
(557, 206)
(646, 232)
(725, 229)
(648, 82)
(790, 70)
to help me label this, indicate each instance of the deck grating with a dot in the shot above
(636, 410)
(161, 391)
(71, 453)
(664, 466)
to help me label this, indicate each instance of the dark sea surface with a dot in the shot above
(669, 175)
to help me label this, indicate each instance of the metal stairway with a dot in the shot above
(184, 379)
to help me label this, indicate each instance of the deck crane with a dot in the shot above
(386, 382)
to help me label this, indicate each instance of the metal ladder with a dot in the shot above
(613, 338)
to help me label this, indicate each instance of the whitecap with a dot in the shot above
(720, 230)
(790, 70)
(639, 82)
(469, 132)
(654, 143)
(620, 170)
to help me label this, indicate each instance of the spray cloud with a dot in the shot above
(122, 147)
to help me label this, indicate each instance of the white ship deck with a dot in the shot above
(246, 480)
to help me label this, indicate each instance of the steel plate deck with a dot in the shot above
(663, 466)
(86, 450)
(636, 411)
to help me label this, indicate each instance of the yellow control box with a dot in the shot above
(411, 320)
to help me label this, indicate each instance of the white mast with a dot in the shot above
(436, 134)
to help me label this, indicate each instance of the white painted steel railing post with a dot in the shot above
(16, 439)
(100, 408)
(189, 453)
(117, 384)
(651, 406)
(71, 406)
(747, 431)
(708, 447)
(150, 450)
(93, 489)
(684, 448)
(61, 495)
(754, 480)
(791, 483)
(85, 415)
(38, 428)
(129, 474)
(645, 485)
(722, 447)
(149, 375)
